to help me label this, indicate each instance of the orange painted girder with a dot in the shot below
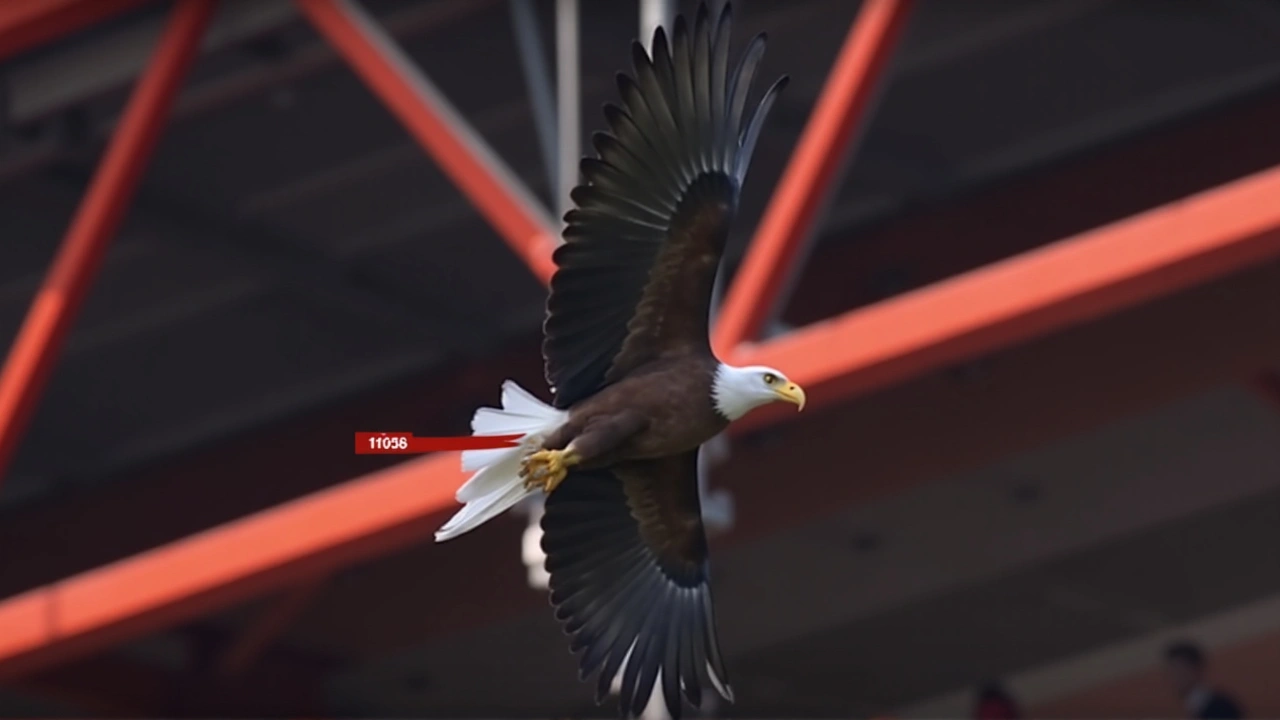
(34, 351)
(1071, 281)
(840, 114)
(27, 24)
(294, 542)
(1158, 252)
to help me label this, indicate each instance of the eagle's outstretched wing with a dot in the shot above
(627, 554)
(644, 242)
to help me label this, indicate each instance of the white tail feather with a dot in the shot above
(496, 485)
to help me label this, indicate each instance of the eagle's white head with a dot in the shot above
(739, 390)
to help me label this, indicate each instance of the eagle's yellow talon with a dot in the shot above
(546, 469)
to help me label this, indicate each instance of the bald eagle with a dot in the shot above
(637, 389)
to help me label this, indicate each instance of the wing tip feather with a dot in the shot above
(647, 629)
(660, 151)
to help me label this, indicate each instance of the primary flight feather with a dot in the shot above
(637, 389)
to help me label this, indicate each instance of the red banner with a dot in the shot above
(403, 443)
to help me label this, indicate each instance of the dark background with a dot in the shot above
(296, 268)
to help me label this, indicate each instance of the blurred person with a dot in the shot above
(1185, 666)
(995, 703)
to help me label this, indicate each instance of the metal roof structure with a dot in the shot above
(1022, 255)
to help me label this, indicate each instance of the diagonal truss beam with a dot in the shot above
(105, 203)
(274, 549)
(1065, 283)
(840, 114)
(493, 188)
(1114, 267)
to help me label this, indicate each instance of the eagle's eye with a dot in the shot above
(770, 378)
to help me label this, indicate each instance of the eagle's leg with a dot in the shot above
(546, 469)
(578, 445)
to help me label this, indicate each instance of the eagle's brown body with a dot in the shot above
(620, 423)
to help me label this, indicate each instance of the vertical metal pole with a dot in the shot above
(569, 100)
(537, 77)
(569, 153)
(30, 361)
(717, 505)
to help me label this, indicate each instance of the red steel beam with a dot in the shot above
(841, 112)
(27, 24)
(462, 154)
(1155, 253)
(283, 546)
(1065, 283)
(499, 195)
(103, 208)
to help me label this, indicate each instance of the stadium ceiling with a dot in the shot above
(1071, 280)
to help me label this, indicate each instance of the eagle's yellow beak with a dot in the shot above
(792, 393)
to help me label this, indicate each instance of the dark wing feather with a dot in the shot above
(643, 244)
(627, 554)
